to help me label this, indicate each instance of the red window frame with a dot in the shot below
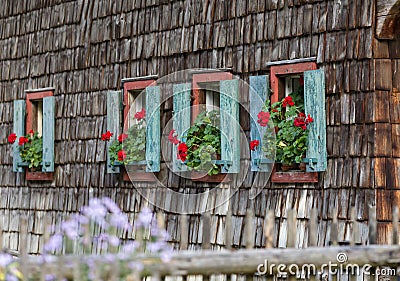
(197, 90)
(276, 72)
(195, 111)
(131, 86)
(32, 96)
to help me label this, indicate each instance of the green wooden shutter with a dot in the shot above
(153, 129)
(113, 123)
(19, 130)
(230, 128)
(48, 134)
(181, 120)
(258, 94)
(314, 103)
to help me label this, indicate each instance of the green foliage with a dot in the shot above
(291, 141)
(204, 142)
(134, 145)
(32, 151)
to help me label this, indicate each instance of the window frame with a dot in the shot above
(207, 77)
(135, 84)
(276, 74)
(32, 96)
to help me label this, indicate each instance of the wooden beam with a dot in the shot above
(247, 261)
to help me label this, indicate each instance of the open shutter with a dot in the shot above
(113, 123)
(153, 129)
(181, 119)
(19, 130)
(259, 87)
(230, 128)
(48, 134)
(314, 103)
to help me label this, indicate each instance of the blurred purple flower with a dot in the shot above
(11, 277)
(130, 247)
(119, 220)
(5, 259)
(95, 210)
(145, 217)
(110, 205)
(135, 266)
(54, 243)
(49, 277)
(113, 240)
(70, 228)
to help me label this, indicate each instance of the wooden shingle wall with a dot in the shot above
(84, 48)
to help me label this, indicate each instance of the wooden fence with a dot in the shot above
(232, 264)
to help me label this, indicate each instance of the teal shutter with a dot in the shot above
(181, 119)
(314, 104)
(153, 129)
(19, 130)
(230, 128)
(113, 123)
(48, 134)
(258, 94)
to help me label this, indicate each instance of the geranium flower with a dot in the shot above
(182, 151)
(106, 136)
(287, 101)
(22, 140)
(140, 114)
(309, 119)
(299, 122)
(254, 144)
(263, 118)
(122, 137)
(121, 155)
(31, 132)
(172, 137)
(12, 138)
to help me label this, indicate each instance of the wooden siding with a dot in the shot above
(84, 48)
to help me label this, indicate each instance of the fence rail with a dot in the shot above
(242, 262)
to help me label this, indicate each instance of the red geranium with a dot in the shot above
(309, 119)
(287, 101)
(122, 137)
(263, 118)
(182, 151)
(106, 136)
(121, 155)
(172, 137)
(140, 114)
(12, 138)
(22, 140)
(254, 144)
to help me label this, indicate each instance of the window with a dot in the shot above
(137, 92)
(285, 80)
(214, 95)
(39, 124)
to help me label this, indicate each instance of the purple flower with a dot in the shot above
(50, 277)
(130, 247)
(54, 243)
(5, 259)
(113, 240)
(135, 266)
(11, 277)
(144, 217)
(119, 220)
(110, 205)
(96, 211)
(70, 228)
